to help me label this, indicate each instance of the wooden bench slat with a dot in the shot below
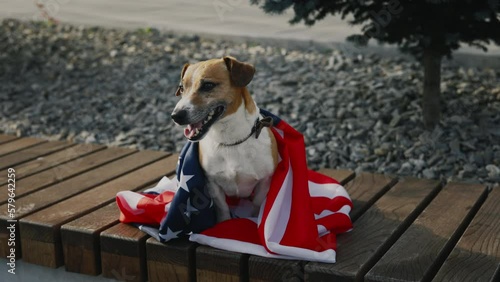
(44, 226)
(30, 153)
(52, 160)
(375, 230)
(7, 138)
(426, 243)
(218, 265)
(81, 242)
(19, 144)
(341, 175)
(63, 172)
(173, 261)
(496, 277)
(63, 190)
(477, 255)
(123, 253)
(267, 269)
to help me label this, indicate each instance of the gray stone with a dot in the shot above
(454, 146)
(493, 170)
(429, 173)
(406, 168)
(380, 151)
(418, 164)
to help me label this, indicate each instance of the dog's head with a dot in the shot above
(209, 91)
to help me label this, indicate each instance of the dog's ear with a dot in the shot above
(241, 73)
(184, 68)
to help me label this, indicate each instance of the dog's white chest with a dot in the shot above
(238, 169)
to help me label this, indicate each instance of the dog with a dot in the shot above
(237, 149)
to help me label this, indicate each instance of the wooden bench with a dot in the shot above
(406, 229)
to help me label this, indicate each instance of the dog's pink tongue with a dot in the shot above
(190, 130)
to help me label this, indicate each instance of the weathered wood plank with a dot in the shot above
(65, 171)
(63, 190)
(30, 153)
(7, 138)
(19, 144)
(477, 254)
(341, 175)
(365, 189)
(174, 259)
(217, 265)
(375, 230)
(81, 242)
(267, 269)
(423, 247)
(123, 253)
(52, 160)
(44, 226)
(496, 277)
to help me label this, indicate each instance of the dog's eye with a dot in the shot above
(207, 86)
(180, 90)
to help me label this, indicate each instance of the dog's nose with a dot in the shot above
(179, 116)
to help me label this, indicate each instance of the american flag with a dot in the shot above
(303, 211)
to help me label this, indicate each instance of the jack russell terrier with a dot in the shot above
(237, 156)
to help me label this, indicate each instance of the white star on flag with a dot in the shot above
(170, 234)
(190, 208)
(184, 179)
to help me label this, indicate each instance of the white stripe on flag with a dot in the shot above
(327, 256)
(327, 190)
(279, 214)
(345, 210)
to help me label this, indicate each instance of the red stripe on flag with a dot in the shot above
(301, 229)
(153, 209)
(336, 223)
(325, 242)
(240, 229)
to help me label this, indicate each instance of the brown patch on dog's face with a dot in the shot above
(249, 103)
(181, 88)
(206, 82)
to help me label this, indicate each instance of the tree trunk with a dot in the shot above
(431, 104)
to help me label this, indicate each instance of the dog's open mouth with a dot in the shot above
(196, 131)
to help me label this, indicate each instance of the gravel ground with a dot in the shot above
(359, 112)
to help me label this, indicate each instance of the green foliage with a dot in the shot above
(414, 25)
